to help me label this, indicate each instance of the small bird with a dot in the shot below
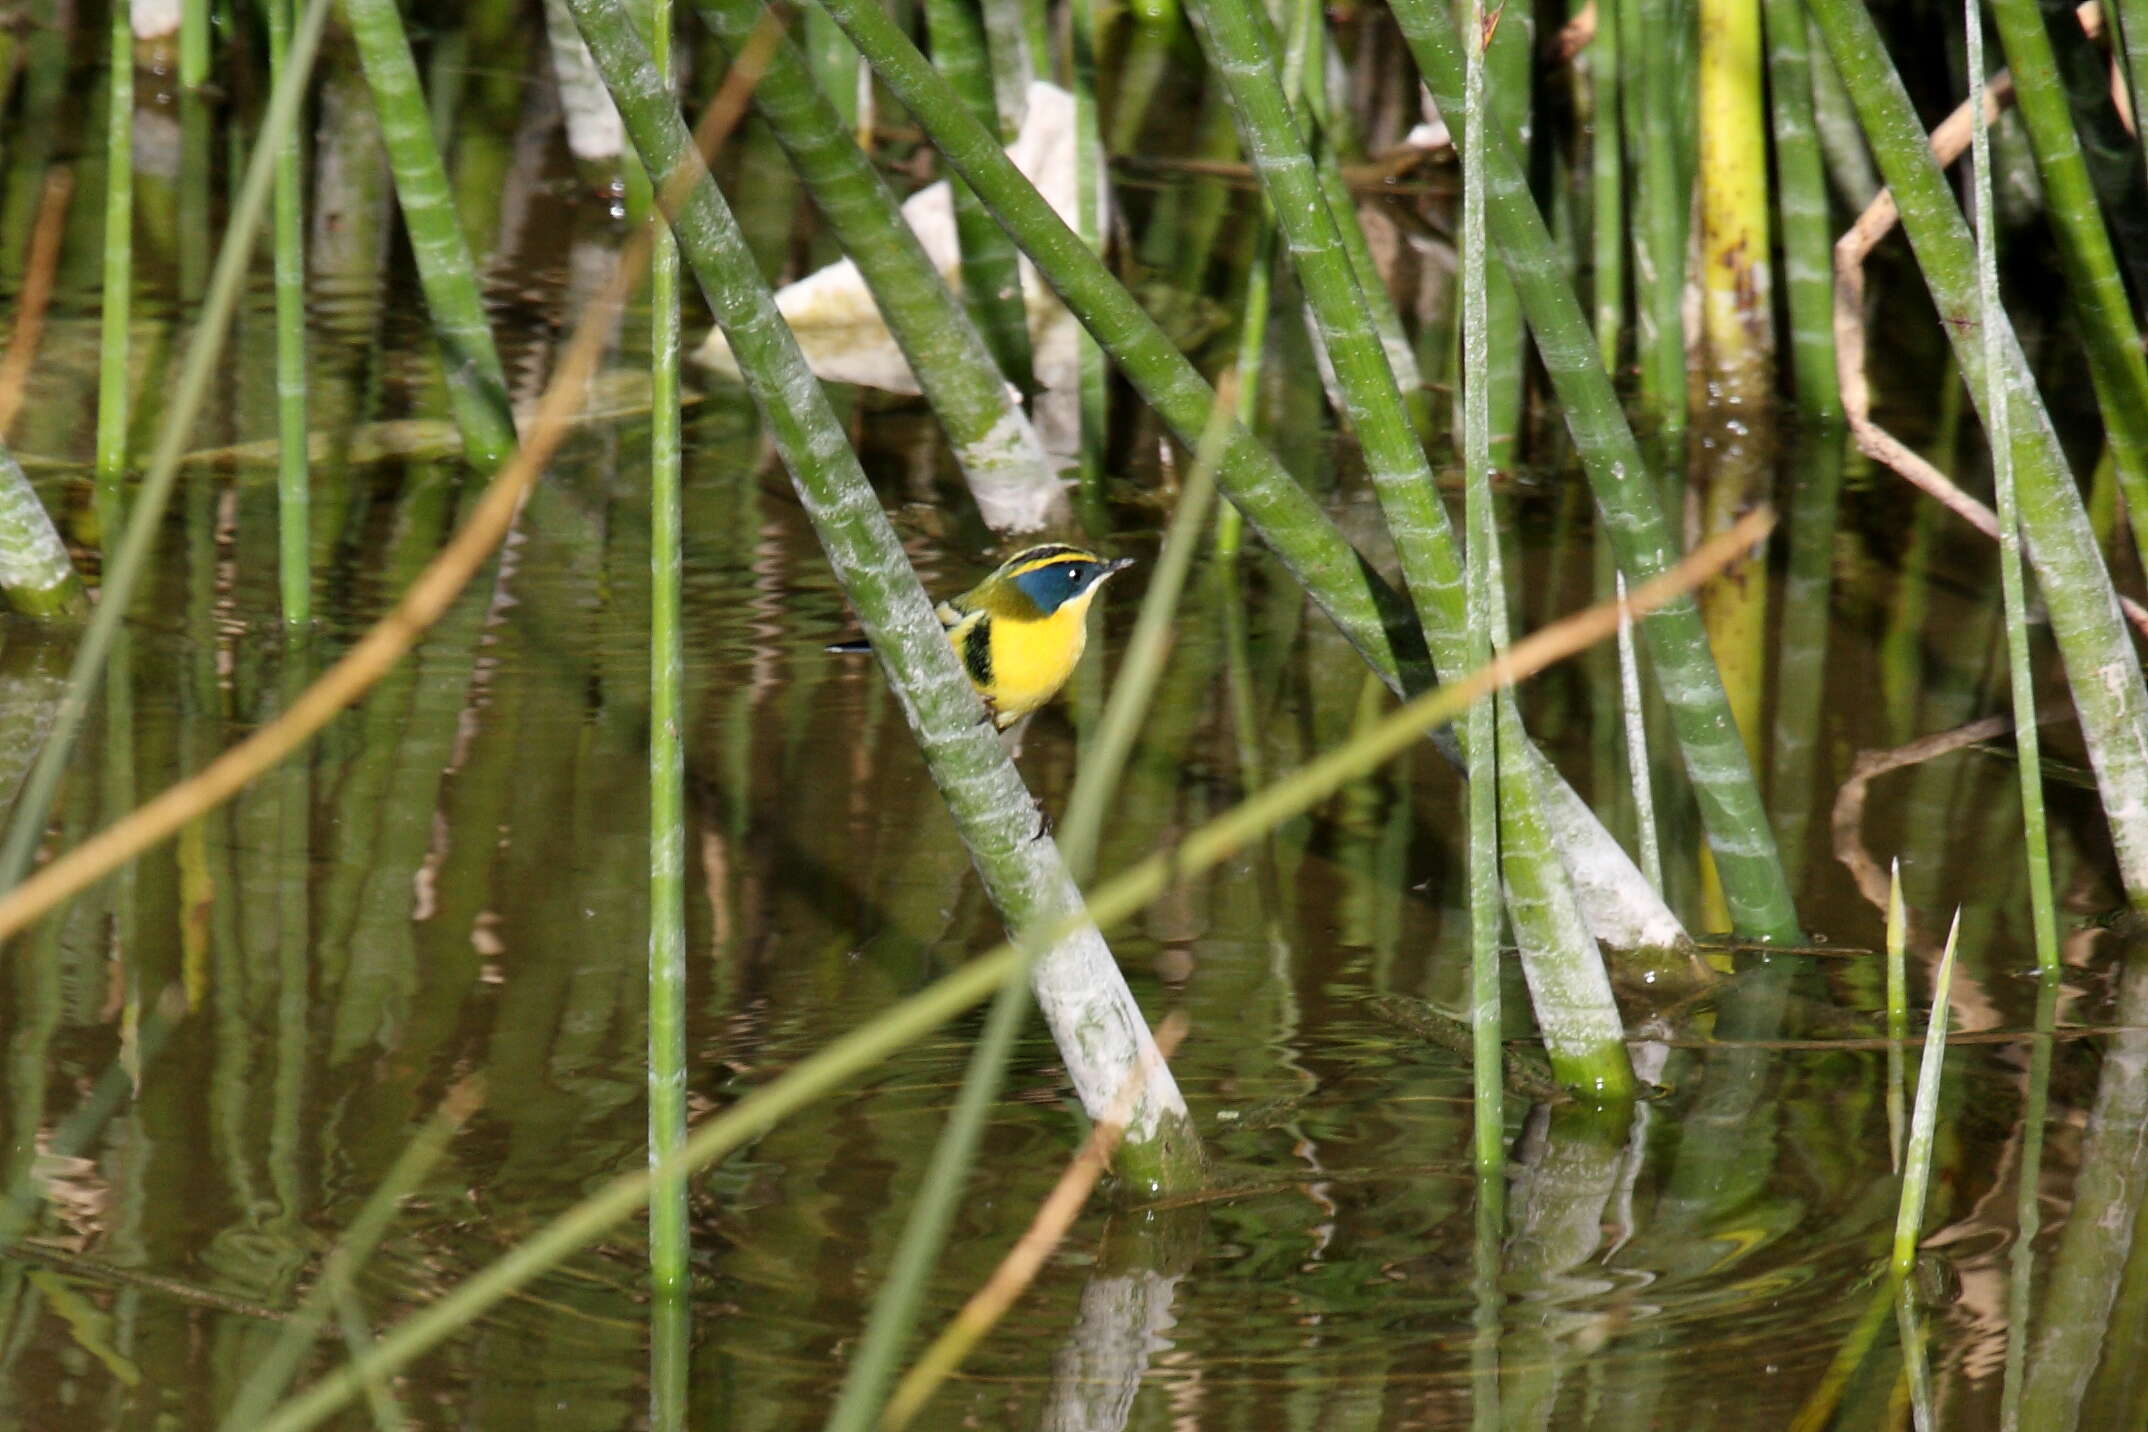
(1020, 632)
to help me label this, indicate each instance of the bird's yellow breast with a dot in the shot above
(1017, 664)
(1031, 660)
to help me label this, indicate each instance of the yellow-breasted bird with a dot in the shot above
(1020, 632)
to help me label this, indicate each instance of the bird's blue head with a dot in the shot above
(1052, 576)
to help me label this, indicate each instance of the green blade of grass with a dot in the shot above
(1924, 1116)
(670, 1250)
(1487, 609)
(1998, 418)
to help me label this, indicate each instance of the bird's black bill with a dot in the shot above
(849, 648)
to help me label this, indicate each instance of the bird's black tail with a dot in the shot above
(849, 648)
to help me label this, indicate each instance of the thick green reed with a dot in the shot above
(1801, 200)
(477, 385)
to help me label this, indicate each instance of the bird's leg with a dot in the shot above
(1012, 736)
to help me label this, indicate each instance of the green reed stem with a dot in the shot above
(1242, 56)
(2103, 316)
(1801, 201)
(834, 64)
(1818, 456)
(991, 277)
(998, 451)
(477, 385)
(893, 1029)
(1259, 291)
(36, 574)
(1897, 1006)
(197, 372)
(193, 43)
(1924, 1116)
(2092, 1278)
(1487, 629)
(1510, 67)
(2132, 17)
(1098, 1026)
(1328, 139)
(272, 1374)
(1370, 615)
(1607, 185)
(670, 1273)
(1091, 182)
(1658, 113)
(1634, 717)
(1147, 60)
(1253, 305)
(117, 293)
(2028, 1206)
(1006, 45)
(1572, 994)
(2012, 587)
(1842, 140)
(1487, 1250)
(2103, 670)
(1206, 201)
(294, 498)
(1909, 1330)
(380, 1400)
(1737, 824)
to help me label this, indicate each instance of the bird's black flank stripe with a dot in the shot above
(977, 653)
